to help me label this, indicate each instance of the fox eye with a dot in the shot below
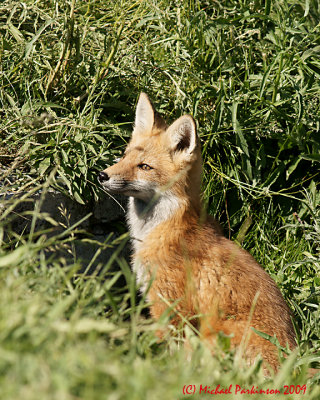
(145, 167)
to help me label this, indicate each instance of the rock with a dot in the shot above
(51, 213)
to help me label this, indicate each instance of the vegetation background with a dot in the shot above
(70, 75)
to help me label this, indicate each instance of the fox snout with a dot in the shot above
(119, 181)
(103, 177)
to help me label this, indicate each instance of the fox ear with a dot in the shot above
(144, 115)
(183, 134)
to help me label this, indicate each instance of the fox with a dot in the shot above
(181, 259)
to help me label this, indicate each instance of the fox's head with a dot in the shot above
(158, 159)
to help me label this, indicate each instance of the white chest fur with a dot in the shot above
(143, 218)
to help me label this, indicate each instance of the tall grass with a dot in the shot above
(70, 75)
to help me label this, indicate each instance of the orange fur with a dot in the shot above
(191, 263)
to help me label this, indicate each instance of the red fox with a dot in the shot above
(214, 283)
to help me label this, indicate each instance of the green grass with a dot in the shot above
(70, 75)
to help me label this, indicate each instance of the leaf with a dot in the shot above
(77, 197)
(292, 167)
(274, 175)
(99, 137)
(86, 325)
(46, 104)
(267, 7)
(44, 165)
(30, 45)
(311, 157)
(64, 178)
(64, 156)
(267, 73)
(91, 148)
(314, 66)
(310, 52)
(240, 138)
(11, 100)
(15, 32)
(307, 8)
(237, 128)
(271, 339)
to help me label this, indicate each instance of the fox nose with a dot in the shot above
(103, 177)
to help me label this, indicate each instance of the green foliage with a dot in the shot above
(66, 333)
(70, 74)
(247, 71)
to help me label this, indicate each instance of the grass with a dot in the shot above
(70, 75)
